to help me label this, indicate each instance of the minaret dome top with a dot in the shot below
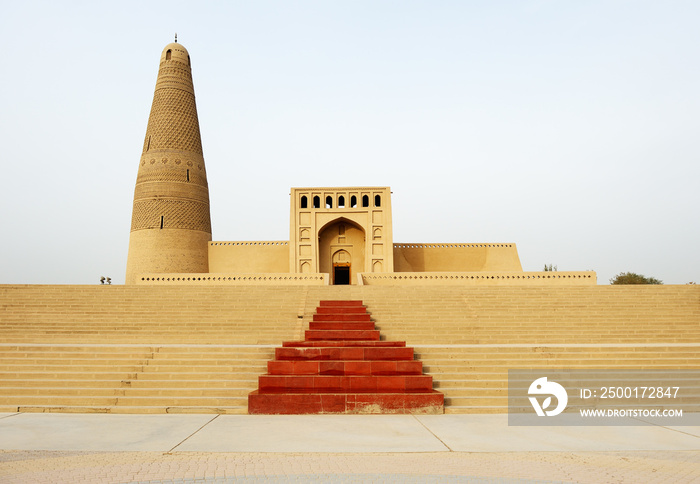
(175, 52)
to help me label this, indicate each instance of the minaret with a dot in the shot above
(170, 224)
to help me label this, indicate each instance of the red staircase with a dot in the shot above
(343, 367)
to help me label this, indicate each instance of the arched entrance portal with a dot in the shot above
(341, 249)
(341, 267)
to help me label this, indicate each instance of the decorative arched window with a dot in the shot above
(168, 54)
(341, 202)
(329, 202)
(365, 201)
(317, 202)
(304, 202)
(353, 201)
(377, 201)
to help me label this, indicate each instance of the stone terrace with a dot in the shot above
(148, 349)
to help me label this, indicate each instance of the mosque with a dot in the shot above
(337, 319)
(337, 235)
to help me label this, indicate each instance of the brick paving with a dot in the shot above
(52, 467)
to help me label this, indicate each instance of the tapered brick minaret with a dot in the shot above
(170, 224)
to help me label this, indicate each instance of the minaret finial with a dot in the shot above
(176, 37)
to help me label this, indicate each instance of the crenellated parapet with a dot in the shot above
(234, 279)
(569, 278)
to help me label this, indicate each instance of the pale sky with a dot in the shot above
(567, 127)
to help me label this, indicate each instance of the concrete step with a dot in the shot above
(116, 400)
(58, 368)
(433, 366)
(199, 384)
(124, 391)
(175, 367)
(201, 376)
(59, 383)
(459, 384)
(233, 392)
(65, 375)
(136, 410)
(175, 383)
(463, 409)
(183, 401)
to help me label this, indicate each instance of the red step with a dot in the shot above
(335, 353)
(329, 344)
(341, 310)
(343, 367)
(341, 317)
(352, 383)
(341, 334)
(341, 303)
(368, 325)
(291, 403)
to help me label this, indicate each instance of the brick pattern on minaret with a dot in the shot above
(171, 223)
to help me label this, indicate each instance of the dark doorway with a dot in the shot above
(341, 274)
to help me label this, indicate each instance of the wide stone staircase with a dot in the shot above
(126, 349)
(129, 379)
(149, 349)
(468, 338)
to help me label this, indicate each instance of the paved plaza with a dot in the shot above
(89, 448)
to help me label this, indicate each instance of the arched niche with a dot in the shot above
(341, 250)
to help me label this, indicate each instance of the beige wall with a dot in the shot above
(582, 278)
(456, 257)
(249, 257)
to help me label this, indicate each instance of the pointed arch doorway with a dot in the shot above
(341, 268)
(341, 251)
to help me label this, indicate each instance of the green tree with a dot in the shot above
(632, 278)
